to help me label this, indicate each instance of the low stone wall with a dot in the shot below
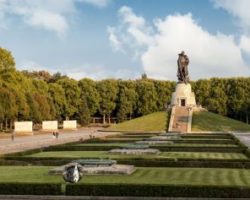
(50, 126)
(70, 124)
(24, 127)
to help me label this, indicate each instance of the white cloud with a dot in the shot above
(245, 44)
(50, 15)
(210, 54)
(99, 3)
(115, 43)
(93, 71)
(239, 9)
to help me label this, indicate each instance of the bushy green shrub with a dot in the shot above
(148, 190)
(30, 188)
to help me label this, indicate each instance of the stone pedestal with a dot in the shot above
(183, 96)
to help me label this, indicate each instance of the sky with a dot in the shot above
(123, 39)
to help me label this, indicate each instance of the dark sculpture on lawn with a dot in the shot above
(182, 72)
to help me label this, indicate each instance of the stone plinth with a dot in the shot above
(24, 127)
(98, 170)
(134, 151)
(183, 96)
(70, 124)
(50, 126)
(155, 142)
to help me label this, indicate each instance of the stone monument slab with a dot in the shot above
(24, 127)
(70, 124)
(49, 125)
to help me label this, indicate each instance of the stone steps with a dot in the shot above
(180, 123)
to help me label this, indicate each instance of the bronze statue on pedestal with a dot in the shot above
(182, 72)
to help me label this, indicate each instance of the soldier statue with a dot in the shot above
(182, 72)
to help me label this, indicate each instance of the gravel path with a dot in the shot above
(44, 140)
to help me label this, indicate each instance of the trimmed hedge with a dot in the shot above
(31, 188)
(156, 190)
(237, 164)
(161, 148)
(201, 149)
(229, 141)
(208, 136)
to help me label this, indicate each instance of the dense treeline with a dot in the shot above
(41, 96)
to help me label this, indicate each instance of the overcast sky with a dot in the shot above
(125, 38)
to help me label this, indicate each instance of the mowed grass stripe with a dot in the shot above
(104, 154)
(170, 176)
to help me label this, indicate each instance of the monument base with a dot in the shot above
(183, 96)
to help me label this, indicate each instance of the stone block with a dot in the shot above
(49, 125)
(70, 124)
(24, 127)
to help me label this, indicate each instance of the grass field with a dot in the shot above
(172, 176)
(152, 122)
(207, 121)
(162, 155)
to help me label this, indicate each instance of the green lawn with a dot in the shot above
(104, 154)
(207, 121)
(172, 176)
(152, 122)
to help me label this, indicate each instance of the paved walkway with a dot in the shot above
(244, 138)
(44, 140)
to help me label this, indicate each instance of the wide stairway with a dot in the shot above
(180, 122)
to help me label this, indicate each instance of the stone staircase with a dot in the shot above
(180, 119)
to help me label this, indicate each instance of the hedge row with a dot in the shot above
(161, 148)
(237, 164)
(183, 141)
(156, 190)
(31, 188)
(208, 136)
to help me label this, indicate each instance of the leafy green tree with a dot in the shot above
(83, 112)
(217, 101)
(6, 60)
(56, 92)
(126, 99)
(72, 94)
(147, 97)
(89, 93)
(164, 91)
(8, 106)
(108, 93)
(34, 112)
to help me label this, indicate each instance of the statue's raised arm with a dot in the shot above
(182, 72)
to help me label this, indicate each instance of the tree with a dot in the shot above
(108, 93)
(217, 101)
(56, 92)
(83, 112)
(72, 94)
(164, 91)
(89, 93)
(147, 97)
(6, 60)
(8, 106)
(126, 99)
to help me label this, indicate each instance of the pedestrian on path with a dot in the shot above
(12, 136)
(57, 135)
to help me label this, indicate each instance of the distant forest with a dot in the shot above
(39, 95)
